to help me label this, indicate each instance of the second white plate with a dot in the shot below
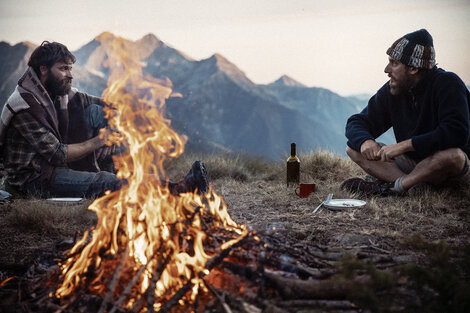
(341, 204)
(65, 200)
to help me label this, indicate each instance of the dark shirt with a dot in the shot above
(435, 115)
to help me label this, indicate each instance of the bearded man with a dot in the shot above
(428, 109)
(49, 134)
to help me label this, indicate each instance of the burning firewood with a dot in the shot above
(257, 264)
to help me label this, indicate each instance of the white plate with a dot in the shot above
(340, 204)
(65, 200)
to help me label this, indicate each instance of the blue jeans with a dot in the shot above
(71, 183)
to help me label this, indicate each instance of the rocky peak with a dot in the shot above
(104, 36)
(285, 80)
(228, 68)
(150, 42)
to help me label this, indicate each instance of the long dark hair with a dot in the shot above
(49, 53)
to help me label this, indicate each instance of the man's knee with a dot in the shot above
(453, 160)
(354, 155)
(104, 181)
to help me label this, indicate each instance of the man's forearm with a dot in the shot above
(77, 151)
(388, 153)
(402, 147)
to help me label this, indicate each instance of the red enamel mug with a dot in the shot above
(305, 189)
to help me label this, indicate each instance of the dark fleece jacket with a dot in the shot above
(435, 115)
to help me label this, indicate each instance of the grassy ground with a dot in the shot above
(256, 194)
(433, 225)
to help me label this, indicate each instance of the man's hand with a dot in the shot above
(388, 153)
(107, 150)
(110, 136)
(77, 151)
(104, 152)
(370, 150)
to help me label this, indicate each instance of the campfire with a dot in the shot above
(147, 244)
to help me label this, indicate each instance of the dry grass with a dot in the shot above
(32, 228)
(238, 167)
(255, 191)
(256, 194)
(50, 219)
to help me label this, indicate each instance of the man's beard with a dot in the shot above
(402, 87)
(56, 86)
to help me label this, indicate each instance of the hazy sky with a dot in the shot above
(335, 44)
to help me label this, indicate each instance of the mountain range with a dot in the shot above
(220, 108)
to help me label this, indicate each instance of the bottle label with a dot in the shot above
(293, 172)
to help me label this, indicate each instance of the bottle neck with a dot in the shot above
(292, 150)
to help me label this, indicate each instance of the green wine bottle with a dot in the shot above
(293, 167)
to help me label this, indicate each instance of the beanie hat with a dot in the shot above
(414, 49)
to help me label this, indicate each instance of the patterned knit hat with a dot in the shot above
(414, 49)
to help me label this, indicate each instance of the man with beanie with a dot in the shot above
(428, 109)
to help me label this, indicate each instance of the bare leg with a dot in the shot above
(387, 171)
(437, 168)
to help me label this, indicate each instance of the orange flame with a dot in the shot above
(143, 220)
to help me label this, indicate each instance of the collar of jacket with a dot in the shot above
(422, 84)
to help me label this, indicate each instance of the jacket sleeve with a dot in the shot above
(86, 99)
(371, 122)
(453, 129)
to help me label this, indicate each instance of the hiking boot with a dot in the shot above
(196, 179)
(359, 185)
